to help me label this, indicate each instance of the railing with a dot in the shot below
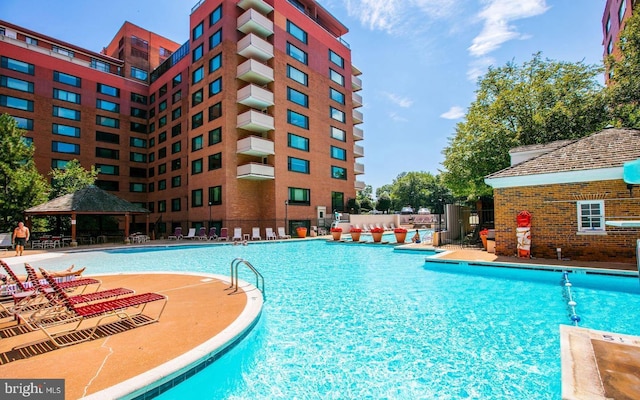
(235, 264)
(568, 296)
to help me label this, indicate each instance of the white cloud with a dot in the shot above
(403, 102)
(395, 117)
(478, 67)
(454, 112)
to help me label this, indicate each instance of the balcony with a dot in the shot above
(358, 151)
(357, 100)
(251, 21)
(255, 146)
(254, 72)
(358, 118)
(358, 168)
(359, 185)
(358, 134)
(252, 46)
(255, 172)
(255, 121)
(259, 5)
(255, 97)
(356, 83)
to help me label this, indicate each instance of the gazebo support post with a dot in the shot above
(74, 242)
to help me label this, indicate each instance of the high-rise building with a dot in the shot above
(613, 18)
(251, 122)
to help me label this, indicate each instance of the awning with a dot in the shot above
(631, 172)
(624, 224)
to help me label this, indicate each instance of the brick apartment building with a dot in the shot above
(616, 12)
(251, 122)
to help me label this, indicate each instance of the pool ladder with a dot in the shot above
(235, 264)
(566, 284)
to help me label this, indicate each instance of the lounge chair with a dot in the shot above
(224, 234)
(202, 233)
(237, 234)
(15, 285)
(282, 234)
(192, 234)
(177, 234)
(270, 234)
(212, 233)
(392, 226)
(255, 233)
(385, 227)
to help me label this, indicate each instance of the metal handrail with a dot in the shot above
(234, 275)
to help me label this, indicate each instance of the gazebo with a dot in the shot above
(89, 201)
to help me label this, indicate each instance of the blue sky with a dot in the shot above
(420, 58)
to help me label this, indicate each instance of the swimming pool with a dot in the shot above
(365, 321)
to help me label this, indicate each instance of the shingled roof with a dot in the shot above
(609, 148)
(90, 200)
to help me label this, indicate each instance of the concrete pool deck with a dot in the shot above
(200, 312)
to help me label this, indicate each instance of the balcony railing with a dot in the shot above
(360, 185)
(358, 168)
(259, 5)
(255, 97)
(356, 83)
(256, 146)
(357, 100)
(358, 151)
(358, 134)
(358, 118)
(255, 171)
(255, 72)
(251, 21)
(252, 46)
(255, 121)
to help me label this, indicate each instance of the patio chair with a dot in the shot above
(192, 234)
(282, 234)
(212, 233)
(202, 233)
(224, 234)
(270, 234)
(177, 234)
(6, 240)
(255, 233)
(392, 226)
(237, 234)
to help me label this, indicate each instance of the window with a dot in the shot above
(197, 31)
(63, 51)
(175, 204)
(162, 206)
(163, 90)
(297, 75)
(138, 98)
(152, 98)
(162, 106)
(337, 201)
(31, 41)
(176, 130)
(152, 127)
(197, 143)
(135, 172)
(197, 75)
(108, 169)
(338, 153)
(162, 168)
(108, 90)
(107, 121)
(215, 39)
(296, 53)
(298, 165)
(338, 134)
(100, 65)
(215, 136)
(24, 123)
(176, 147)
(215, 87)
(107, 105)
(162, 184)
(162, 121)
(152, 158)
(297, 97)
(113, 186)
(299, 196)
(176, 164)
(296, 32)
(338, 173)
(336, 77)
(140, 74)
(176, 97)
(59, 164)
(610, 46)
(152, 112)
(162, 153)
(17, 65)
(162, 137)
(152, 172)
(176, 181)
(608, 25)
(337, 114)
(137, 157)
(298, 142)
(138, 112)
(16, 84)
(336, 96)
(176, 113)
(196, 198)
(107, 137)
(177, 79)
(67, 113)
(196, 98)
(215, 16)
(215, 63)
(197, 53)
(197, 120)
(66, 130)
(591, 216)
(62, 147)
(16, 102)
(138, 142)
(215, 195)
(66, 96)
(297, 119)
(137, 187)
(215, 111)
(622, 10)
(215, 161)
(196, 166)
(336, 59)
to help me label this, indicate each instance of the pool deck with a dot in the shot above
(203, 314)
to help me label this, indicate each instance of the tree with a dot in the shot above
(21, 186)
(624, 86)
(364, 199)
(412, 189)
(72, 178)
(384, 202)
(539, 102)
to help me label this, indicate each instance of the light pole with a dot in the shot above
(210, 215)
(286, 211)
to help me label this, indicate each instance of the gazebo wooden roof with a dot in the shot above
(90, 201)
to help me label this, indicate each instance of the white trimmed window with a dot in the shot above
(591, 216)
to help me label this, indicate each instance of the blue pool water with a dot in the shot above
(367, 322)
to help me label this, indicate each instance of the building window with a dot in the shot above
(162, 106)
(622, 10)
(67, 79)
(112, 186)
(297, 97)
(162, 206)
(215, 161)
(66, 130)
(297, 75)
(197, 120)
(162, 121)
(162, 168)
(296, 53)
(215, 87)
(175, 114)
(176, 97)
(108, 90)
(197, 198)
(336, 59)
(196, 98)
(64, 95)
(17, 65)
(138, 98)
(338, 153)
(62, 50)
(152, 127)
(100, 65)
(137, 157)
(336, 77)
(338, 173)
(107, 121)
(176, 164)
(135, 172)
(298, 142)
(162, 137)
(140, 74)
(137, 187)
(107, 137)
(162, 184)
(176, 181)
(31, 41)
(108, 169)
(215, 136)
(215, 16)
(338, 134)
(138, 142)
(67, 113)
(59, 164)
(299, 196)
(337, 114)
(591, 216)
(16, 102)
(198, 30)
(610, 46)
(296, 32)
(176, 130)
(196, 166)
(24, 123)
(297, 119)
(175, 204)
(197, 143)
(197, 53)
(177, 79)
(215, 111)
(608, 24)
(215, 195)
(62, 147)
(176, 147)
(298, 165)
(162, 91)
(107, 105)
(16, 84)
(337, 201)
(162, 153)
(215, 63)
(138, 112)
(336, 96)
(197, 75)
(215, 39)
